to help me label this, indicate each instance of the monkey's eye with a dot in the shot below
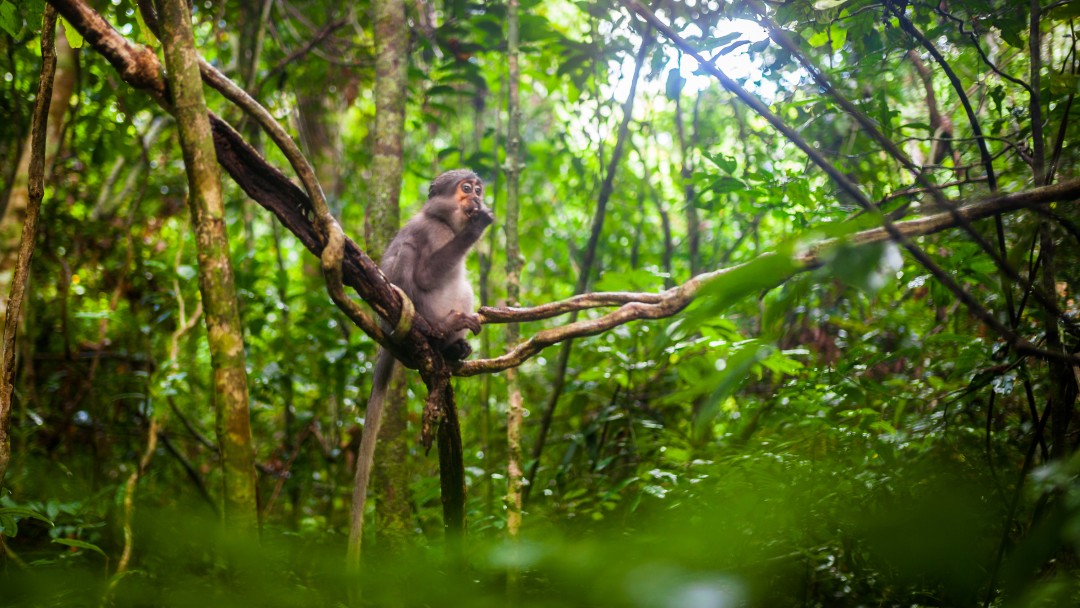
(466, 188)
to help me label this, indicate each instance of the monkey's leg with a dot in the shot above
(458, 350)
(453, 324)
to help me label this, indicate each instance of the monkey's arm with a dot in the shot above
(432, 272)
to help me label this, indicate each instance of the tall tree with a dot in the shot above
(392, 504)
(35, 190)
(230, 389)
(515, 411)
(14, 210)
(589, 257)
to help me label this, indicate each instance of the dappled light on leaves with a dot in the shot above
(778, 306)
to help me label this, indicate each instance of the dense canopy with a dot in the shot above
(779, 305)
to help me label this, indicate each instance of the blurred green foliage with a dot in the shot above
(762, 528)
(848, 436)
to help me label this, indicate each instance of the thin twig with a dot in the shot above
(636, 306)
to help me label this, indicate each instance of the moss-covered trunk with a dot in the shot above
(515, 414)
(392, 506)
(215, 270)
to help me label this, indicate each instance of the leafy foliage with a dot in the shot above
(848, 436)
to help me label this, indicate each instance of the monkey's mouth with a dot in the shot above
(474, 205)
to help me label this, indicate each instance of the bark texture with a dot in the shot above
(393, 513)
(14, 211)
(515, 412)
(215, 269)
(35, 192)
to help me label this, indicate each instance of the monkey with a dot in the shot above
(426, 260)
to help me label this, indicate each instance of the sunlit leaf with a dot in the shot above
(74, 38)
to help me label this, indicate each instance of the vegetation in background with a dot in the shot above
(885, 424)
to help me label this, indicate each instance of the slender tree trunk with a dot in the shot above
(321, 137)
(14, 211)
(693, 221)
(35, 192)
(1063, 382)
(515, 412)
(393, 509)
(606, 188)
(246, 60)
(215, 269)
(1038, 146)
(486, 254)
(288, 392)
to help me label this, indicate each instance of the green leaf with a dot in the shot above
(726, 38)
(1011, 35)
(144, 32)
(23, 512)
(819, 38)
(74, 38)
(726, 184)
(997, 94)
(781, 364)
(731, 47)
(727, 164)
(80, 544)
(8, 526)
(675, 83)
(1064, 11)
(735, 370)
(748, 280)
(9, 19)
(859, 266)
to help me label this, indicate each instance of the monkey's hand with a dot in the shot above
(458, 321)
(479, 218)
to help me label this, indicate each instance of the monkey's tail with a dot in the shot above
(380, 382)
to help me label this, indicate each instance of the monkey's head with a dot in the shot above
(457, 196)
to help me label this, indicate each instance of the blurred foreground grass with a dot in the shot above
(755, 532)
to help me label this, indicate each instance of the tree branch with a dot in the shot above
(264, 183)
(636, 306)
(984, 152)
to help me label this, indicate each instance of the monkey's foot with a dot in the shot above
(457, 351)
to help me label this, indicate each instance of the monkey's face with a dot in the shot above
(470, 193)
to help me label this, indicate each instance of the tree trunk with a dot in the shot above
(515, 412)
(588, 259)
(215, 269)
(321, 137)
(393, 511)
(35, 189)
(14, 211)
